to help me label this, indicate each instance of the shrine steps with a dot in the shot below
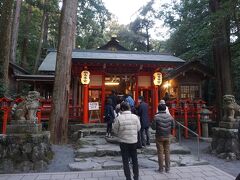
(95, 152)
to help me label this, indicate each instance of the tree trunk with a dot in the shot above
(59, 114)
(15, 28)
(221, 54)
(148, 44)
(5, 43)
(24, 62)
(45, 32)
(41, 37)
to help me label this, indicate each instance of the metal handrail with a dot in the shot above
(198, 137)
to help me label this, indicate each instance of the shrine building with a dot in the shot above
(95, 73)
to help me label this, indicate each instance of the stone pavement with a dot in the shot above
(203, 172)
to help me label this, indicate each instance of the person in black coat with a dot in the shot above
(113, 97)
(109, 116)
(144, 120)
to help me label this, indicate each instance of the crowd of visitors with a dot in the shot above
(131, 122)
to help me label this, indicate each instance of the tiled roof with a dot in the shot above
(109, 56)
(196, 65)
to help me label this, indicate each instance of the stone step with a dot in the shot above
(88, 132)
(144, 161)
(100, 149)
(92, 131)
(75, 127)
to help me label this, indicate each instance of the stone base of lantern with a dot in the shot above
(206, 139)
(225, 143)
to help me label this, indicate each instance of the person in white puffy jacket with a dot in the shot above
(126, 127)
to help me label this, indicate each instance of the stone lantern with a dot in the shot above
(205, 119)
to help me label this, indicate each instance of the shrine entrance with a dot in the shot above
(95, 104)
(121, 84)
(93, 96)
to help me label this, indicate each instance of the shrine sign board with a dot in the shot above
(93, 106)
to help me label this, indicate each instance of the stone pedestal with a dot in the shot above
(24, 152)
(29, 128)
(225, 143)
(205, 128)
(229, 125)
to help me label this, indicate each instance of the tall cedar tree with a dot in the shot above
(25, 43)
(221, 52)
(61, 92)
(15, 28)
(5, 43)
(42, 33)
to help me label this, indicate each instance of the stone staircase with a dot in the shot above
(96, 152)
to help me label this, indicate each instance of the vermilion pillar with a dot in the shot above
(103, 98)
(5, 118)
(155, 99)
(186, 122)
(136, 89)
(85, 103)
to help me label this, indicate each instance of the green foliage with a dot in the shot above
(158, 46)
(92, 18)
(53, 24)
(189, 21)
(34, 31)
(1, 2)
(126, 37)
(143, 23)
(193, 26)
(2, 90)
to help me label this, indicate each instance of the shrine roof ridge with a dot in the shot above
(108, 56)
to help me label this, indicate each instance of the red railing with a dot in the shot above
(187, 111)
(43, 114)
(5, 106)
(75, 112)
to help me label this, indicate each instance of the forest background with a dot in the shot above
(199, 29)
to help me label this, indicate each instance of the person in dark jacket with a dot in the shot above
(163, 124)
(109, 116)
(113, 97)
(144, 120)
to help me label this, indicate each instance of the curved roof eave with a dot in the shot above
(49, 62)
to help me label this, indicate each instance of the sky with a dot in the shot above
(126, 10)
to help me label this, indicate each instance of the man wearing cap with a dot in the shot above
(163, 124)
(144, 120)
(163, 102)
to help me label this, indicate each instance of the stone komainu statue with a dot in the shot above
(27, 109)
(230, 107)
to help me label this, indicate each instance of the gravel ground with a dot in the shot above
(62, 157)
(231, 167)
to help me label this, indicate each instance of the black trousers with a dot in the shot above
(109, 128)
(129, 151)
(145, 136)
